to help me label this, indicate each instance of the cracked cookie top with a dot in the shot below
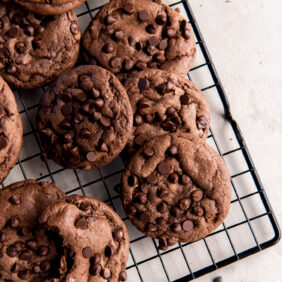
(165, 103)
(84, 118)
(130, 35)
(176, 188)
(47, 7)
(95, 240)
(11, 130)
(36, 49)
(26, 250)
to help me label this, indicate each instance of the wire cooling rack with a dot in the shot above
(250, 226)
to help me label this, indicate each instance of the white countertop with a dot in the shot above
(245, 42)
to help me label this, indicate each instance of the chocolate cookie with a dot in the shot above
(84, 118)
(34, 49)
(176, 188)
(94, 238)
(128, 35)
(27, 253)
(43, 7)
(11, 130)
(163, 102)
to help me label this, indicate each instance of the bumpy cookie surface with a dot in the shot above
(134, 35)
(176, 188)
(34, 49)
(94, 238)
(54, 7)
(85, 118)
(26, 253)
(11, 130)
(163, 102)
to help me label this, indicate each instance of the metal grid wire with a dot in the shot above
(251, 225)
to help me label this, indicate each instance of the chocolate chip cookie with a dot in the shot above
(26, 251)
(11, 130)
(176, 188)
(84, 118)
(34, 49)
(163, 102)
(94, 238)
(43, 7)
(128, 35)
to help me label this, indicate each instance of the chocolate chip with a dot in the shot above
(152, 179)
(145, 217)
(161, 88)
(161, 19)
(3, 142)
(31, 244)
(151, 227)
(25, 274)
(103, 147)
(160, 58)
(139, 46)
(11, 69)
(138, 119)
(129, 64)
(148, 152)
(186, 99)
(20, 47)
(43, 251)
(81, 223)
(95, 92)
(161, 221)
(187, 225)
(66, 109)
(128, 9)
(132, 180)
(173, 178)
(185, 179)
(142, 199)
(26, 255)
(91, 156)
(202, 122)
(66, 125)
(143, 84)
(97, 116)
(66, 98)
(118, 234)
(25, 231)
(118, 34)
(95, 259)
(170, 32)
(36, 44)
(84, 206)
(68, 137)
(29, 30)
(151, 50)
(186, 33)
(123, 276)
(39, 29)
(115, 62)
(176, 227)
(197, 195)
(198, 211)
(184, 204)
(139, 140)
(19, 245)
(4, 53)
(87, 252)
(84, 133)
(164, 168)
(110, 20)
(149, 118)
(151, 29)
(162, 207)
(95, 269)
(161, 117)
(14, 222)
(15, 268)
(153, 41)
(163, 44)
(109, 251)
(171, 112)
(163, 193)
(143, 15)
(169, 126)
(131, 41)
(74, 28)
(12, 251)
(108, 48)
(176, 212)
(45, 265)
(172, 150)
(13, 32)
(105, 121)
(143, 104)
(86, 107)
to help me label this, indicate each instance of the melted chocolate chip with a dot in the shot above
(95, 269)
(143, 84)
(163, 193)
(123, 276)
(172, 150)
(106, 273)
(132, 180)
(164, 168)
(87, 252)
(142, 199)
(154, 41)
(162, 207)
(32, 244)
(185, 179)
(161, 19)
(152, 179)
(25, 231)
(148, 152)
(14, 222)
(187, 225)
(45, 265)
(25, 255)
(143, 15)
(151, 29)
(176, 227)
(108, 48)
(91, 156)
(12, 251)
(13, 32)
(173, 178)
(81, 223)
(118, 234)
